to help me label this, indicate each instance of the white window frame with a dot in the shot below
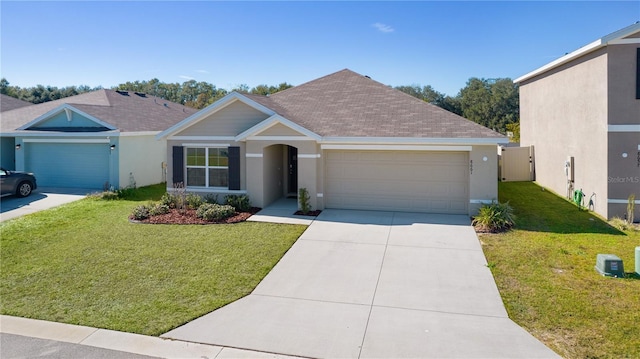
(206, 167)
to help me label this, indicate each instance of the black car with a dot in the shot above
(14, 182)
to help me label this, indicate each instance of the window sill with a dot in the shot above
(211, 190)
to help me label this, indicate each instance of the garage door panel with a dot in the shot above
(80, 165)
(436, 182)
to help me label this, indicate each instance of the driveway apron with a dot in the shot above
(365, 284)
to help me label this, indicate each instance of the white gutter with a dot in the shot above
(615, 38)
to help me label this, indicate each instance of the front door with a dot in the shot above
(293, 170)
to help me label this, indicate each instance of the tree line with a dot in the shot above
(493, 103)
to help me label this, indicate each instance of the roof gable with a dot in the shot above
(277, 126)
(66, 118)
(189, 124)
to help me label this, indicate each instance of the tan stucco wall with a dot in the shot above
(483, 182)
(280, 130)
(262, 191)
(272, 177)
(564, 113)
(141, 160)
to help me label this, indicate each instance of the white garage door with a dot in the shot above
(415, 181)
(79, 165)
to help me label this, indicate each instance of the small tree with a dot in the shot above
(303, 199)
(181, 196)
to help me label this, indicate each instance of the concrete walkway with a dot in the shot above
(30, 338)
(281, 211)
(41, 199)
(361, 284)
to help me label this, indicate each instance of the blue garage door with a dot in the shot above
(76, 165)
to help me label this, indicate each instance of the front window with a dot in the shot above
(207, 167)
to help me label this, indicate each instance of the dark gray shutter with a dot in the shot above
(638, 74)
(178, 164)
(234, 168)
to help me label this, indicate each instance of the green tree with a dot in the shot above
(493, 103)
(514, 128)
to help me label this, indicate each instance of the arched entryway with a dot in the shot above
(280, 172)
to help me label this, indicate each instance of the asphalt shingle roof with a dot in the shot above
(8, 103)
(347, 104)
(128, 113)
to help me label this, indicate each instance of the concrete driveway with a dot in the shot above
(361, 284)
(40, 199)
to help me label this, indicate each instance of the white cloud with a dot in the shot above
(202, 71)
(383, 27)
(186, 77)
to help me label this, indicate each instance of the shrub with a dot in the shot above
(141, 212)
(193, 201)
(169, 200)
(494, 217)
(126, 192)
(240, 203)
(210, 198)
(213, 212)
(619, 223)
(158, 208)
(303, 199)
(105, 195)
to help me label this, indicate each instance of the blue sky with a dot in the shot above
(437, 43)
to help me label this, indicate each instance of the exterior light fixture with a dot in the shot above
(624, 155)
(18, 146)
(112, 147)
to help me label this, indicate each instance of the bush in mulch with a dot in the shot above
(193, 209)
(315, 213)
(189, 216)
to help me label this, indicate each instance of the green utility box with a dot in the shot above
(610, 265)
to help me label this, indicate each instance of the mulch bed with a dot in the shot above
(310, 213)
(176, 216)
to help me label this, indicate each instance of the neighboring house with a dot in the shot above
(8, 103)
(93, 140)
(350, 141)
(584, 108)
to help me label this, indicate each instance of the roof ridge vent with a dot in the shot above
(123, 93)
(141, 94)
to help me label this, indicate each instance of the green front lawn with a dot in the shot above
(84, 263)
(544, 269)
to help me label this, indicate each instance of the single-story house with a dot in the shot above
(99, 139)
(350, 141)
(581, 113)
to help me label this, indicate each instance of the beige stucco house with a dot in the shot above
(584, 110)
(352, 142)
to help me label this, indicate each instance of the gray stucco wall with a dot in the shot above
(563, 113)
